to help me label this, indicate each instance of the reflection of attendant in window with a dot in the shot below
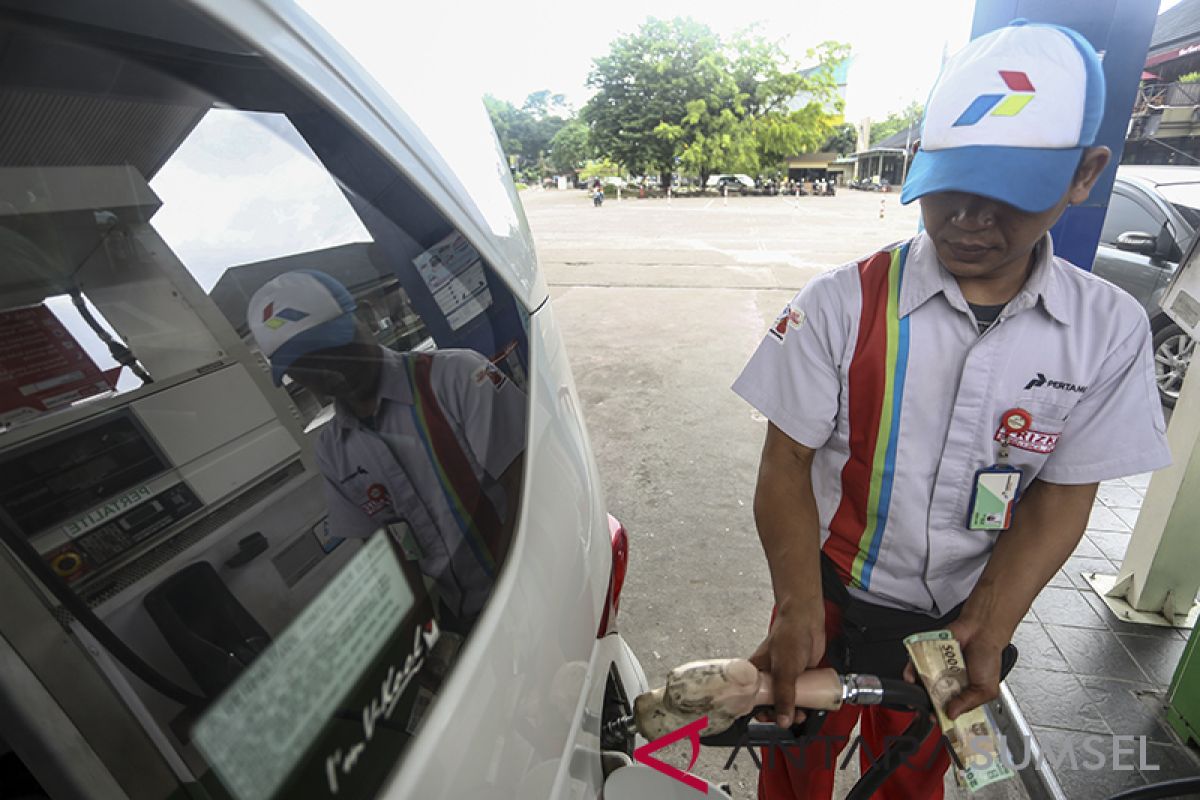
(369, 316)
(428, 445)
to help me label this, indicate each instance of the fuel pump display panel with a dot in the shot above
(61, 476)
(112, 540)
(88, 496)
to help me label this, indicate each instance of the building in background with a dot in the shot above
(824, 165)
(887, 161)
(1165, 124)
(841, 77)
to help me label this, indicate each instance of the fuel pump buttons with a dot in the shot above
(249, 548)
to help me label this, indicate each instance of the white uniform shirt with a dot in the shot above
(388, 473)
(879, 366)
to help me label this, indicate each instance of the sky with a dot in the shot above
(514, 48)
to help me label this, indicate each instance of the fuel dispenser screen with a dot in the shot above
(61, 476)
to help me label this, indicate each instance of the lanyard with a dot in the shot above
(997, 488)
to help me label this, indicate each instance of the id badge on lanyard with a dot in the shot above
(997, 488)
(402, 532)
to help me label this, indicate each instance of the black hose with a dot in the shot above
(119, 352)
(894, 756)
(1176, 788)
(902, 694)
(905, 695)
(93, 624)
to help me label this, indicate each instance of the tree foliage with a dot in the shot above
(896, 122)
(570, 147)
(843, 140)
(648, 78)
(599, 168)
(525, 133)
(675, 94)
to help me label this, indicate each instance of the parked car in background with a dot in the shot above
(620, 183)
(735, 183)
(1153, 216)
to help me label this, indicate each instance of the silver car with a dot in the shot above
(1152, 220)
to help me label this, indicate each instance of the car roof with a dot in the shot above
(1159, 175)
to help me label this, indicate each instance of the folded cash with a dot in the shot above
(938, 660)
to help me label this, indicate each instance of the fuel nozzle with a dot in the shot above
(862, 690)
(617, 730)
(726, 689)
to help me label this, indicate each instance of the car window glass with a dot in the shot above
(1185, 198)
(1189, 213)
(1125, 215)
(262, 407)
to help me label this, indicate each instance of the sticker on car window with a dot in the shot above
(261, 732)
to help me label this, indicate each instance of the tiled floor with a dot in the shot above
(1084, 676)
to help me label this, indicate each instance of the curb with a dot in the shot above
(1039, 781)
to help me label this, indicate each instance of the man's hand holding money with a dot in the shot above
(981, 653)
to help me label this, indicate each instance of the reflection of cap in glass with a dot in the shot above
(298, 313)
(1010, 116)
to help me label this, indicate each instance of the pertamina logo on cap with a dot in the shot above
(1000, 105)
(275, 321)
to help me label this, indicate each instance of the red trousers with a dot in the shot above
(806, 773)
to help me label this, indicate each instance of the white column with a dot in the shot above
(1161, 570)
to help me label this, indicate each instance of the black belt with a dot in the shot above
(872, 638)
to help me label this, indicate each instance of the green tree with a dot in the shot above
(793, 110)
(674, 93)
(896, 122)
(544, 105)
(570, 147)
(843, 140)
(599, 168)
(772, 110)
(649, 78)
(710, 138)
(504, 119)
(525, 133)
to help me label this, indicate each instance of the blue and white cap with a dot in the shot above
(1010, 116)
(298, 313)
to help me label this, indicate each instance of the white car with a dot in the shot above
(613, 181)
(738, 182)
(182, 613)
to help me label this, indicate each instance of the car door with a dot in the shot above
(1136, 273)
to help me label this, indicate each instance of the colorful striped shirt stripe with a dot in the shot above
(472, 509)
(875, 401)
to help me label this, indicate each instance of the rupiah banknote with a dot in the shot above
(939, 663)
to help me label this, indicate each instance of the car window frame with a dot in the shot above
(1182, 234)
